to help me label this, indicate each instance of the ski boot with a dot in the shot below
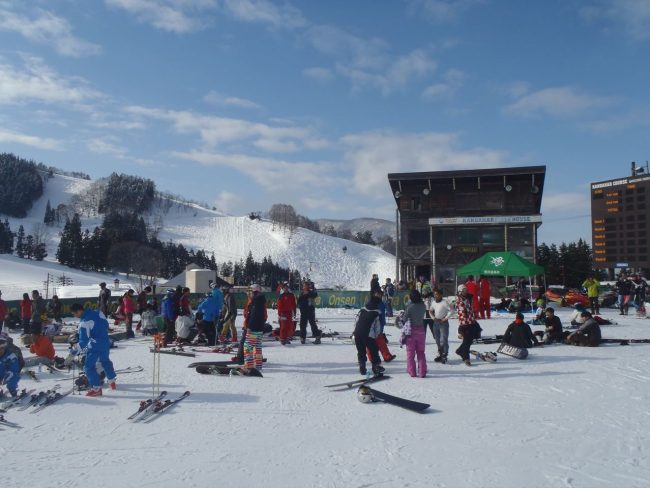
(378, 369)
(362, 369)
(389, 359)
(302, 340)
(317, 340)
(94, 392)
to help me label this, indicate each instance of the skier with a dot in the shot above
(624, 290)
(553, 332)
(208, 309)
(169, 313)
(286, 314)
(484, 297)
(9, 367)
(26, 313)
(307, 307)
(415, 343)
(588, 334)
(229, 314)
(366, 329)
(466, 323)
(94, 340)
(104, 299)
(128, 306)
(255, 328)
(440, 311)
(592, 285)
(389, 293)
(518, 334)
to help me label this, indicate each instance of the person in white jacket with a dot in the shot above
(440, 311)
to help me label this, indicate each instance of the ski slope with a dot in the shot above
(566, 417)
(330, 262)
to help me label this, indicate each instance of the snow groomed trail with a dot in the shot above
(566, 417)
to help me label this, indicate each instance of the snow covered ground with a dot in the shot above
(566, 417)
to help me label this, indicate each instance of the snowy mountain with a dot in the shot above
(329, 261)
(378, 227)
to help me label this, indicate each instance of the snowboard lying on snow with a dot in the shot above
(394, 400)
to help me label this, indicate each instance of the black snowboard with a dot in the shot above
(397, 401)
(512, 351)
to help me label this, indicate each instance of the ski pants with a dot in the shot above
(90, 367)
(365, 344)
(308, 316)
(170, 330)
(389, 307)
(286, 327)
(415, 346)
(382, 348)
(463, 349)
(595, 306)
(229, 325)
(440, 331)
(253, 350)
(129, 324)
(624, 303)
(210, 331)
(484, 307)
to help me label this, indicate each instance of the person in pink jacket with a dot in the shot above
(128, 305)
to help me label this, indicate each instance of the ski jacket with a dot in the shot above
(93, 331)
(485, 287)
(257, 311)
(592, 287)
(38, 309)
(128, 304)
(287, 305)
(247, 310)
(554, 327)
(42, 347)
(306, 300)
(624, 287)
(518, 334)
(230, 307)
(472, 288)
(591, 329)
(415, 314)
(208, 308)
(389, 290)
(374, 285)
(218, 300)
(367, 324)
(465, 311)
(25, 309)
(167, 308)
(10, 370)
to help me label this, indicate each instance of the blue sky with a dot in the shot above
(245, 103)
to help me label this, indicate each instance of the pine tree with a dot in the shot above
(6, 238)
(40, 251)
(20, 242)
(29, 246)
(47, 219)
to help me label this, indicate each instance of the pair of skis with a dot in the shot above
(16, 401)
(151, 408)
(50, 399)
(176, 351)
(38, 398)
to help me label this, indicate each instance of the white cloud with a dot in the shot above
(47, 28)
(272, 174)
(564, 101)
(175, 16)
(264, 11)
(7, 136)
(37, 82)
(372, 155)
(227, 201)
(577, 202)
(452, 81)
(106, 146)
(631, 16)
(354, 51)
(440, 11)
(219, 99)
(219, 131)
(319, 74)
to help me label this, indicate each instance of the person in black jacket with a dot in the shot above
(307, 308)
(553, 332)
(374, 284)
(624, 289)
(518, 334)
(366, 329)
(588, 334)
(255, 328)
(104, 299)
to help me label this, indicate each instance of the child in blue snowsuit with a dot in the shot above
(9, 367)
(94, 340)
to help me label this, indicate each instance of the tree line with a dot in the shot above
(30, 246)
(566, 264)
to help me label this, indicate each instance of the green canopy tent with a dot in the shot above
(502, 263)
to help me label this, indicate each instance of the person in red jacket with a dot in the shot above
(472, 291)
(42, 347)
(484, 297)
(128, 306)
(26, 313)
(286, 314)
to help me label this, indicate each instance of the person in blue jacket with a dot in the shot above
(169, 310)
(9, 367)
(208, 307)
(94, 340)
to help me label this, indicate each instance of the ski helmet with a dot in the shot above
(364, 394)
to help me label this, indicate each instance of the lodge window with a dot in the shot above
(468, 235)
(418, 237)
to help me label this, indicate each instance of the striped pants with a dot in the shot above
(253, 350)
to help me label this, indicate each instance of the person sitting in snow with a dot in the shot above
(518, 334)
(588, 334)
(553, 331)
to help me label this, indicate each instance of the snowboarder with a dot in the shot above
(255, 328)
(415, 343)
(440, 311)
(94, 340)
(104, 299)
(553, 332)
(366, 329)
(484, 287)
(466, 321)
(9, 367)
(518, 334)
(588, 334)
(592, 286)
(307, 306)
(286, 314)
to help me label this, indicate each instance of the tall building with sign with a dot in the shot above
(446, 219)
(620, 226)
